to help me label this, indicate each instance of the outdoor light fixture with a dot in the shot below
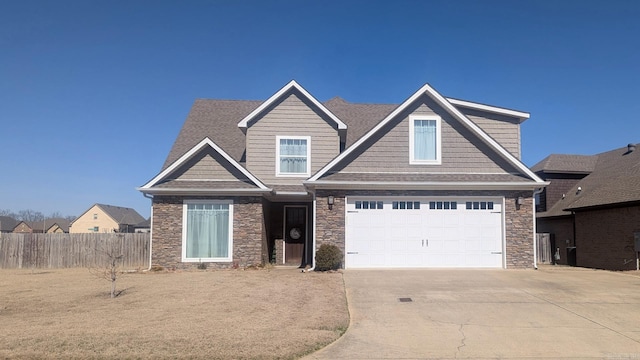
(330, 202)
(519, 202)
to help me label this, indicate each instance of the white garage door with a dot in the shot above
(424, 232)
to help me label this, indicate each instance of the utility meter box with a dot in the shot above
(636, 237)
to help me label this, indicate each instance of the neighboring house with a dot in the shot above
(7, 224)
(50, 226)
(23, 227)
(592, 208)
(143, 227)
(431, 182)
(101, 218)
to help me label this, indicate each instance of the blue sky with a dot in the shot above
(93, 93)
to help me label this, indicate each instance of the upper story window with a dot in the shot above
(293, 156)
(425, 145)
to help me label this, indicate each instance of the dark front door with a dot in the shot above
(295, 234)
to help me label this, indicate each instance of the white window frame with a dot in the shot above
(412, 157)
(185, 205)
(293, 137)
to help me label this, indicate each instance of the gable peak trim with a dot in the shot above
(244, 123)
(192, 152)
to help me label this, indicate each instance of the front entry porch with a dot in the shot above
(289, 232)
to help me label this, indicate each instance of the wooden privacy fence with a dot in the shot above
(73, 250)
(545, 250)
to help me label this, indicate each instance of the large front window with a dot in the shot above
(292, 155)
(207, 230)
(424, 140)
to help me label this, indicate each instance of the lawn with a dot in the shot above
(233, 314)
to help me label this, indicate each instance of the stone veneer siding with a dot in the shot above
(248, 241)
(330, 224)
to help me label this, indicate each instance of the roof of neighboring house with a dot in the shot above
(144, 224)
(7, 223)
(563, 163)
(48, 223)
(122, 215)
(615, 180)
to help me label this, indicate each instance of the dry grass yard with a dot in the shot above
(235, 314)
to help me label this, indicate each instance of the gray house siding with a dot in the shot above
(462, 151)
(503, 129)
(208, 165)
(291, 116)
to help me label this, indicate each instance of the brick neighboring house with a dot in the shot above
(431, 182)
(101, 218)
(592, 207)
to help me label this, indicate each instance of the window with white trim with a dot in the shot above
(293, 155)
(207, 230)
(425, 140)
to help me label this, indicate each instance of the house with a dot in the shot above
(592, 208)
(50, 226)
(7, 224)
(101, 218)
(143, 227)
(23, 227)
(430, 182)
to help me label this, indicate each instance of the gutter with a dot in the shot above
(150, 229)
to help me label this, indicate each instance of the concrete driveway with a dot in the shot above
(551, 313)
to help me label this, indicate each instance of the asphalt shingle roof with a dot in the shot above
(7, 223)
(123, 215)
(615, 179)
(563, 163)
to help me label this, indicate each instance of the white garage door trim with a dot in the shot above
(410, 238)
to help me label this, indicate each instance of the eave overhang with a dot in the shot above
(521, 115)
(422, 185)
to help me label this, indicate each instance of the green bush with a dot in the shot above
(328, 257)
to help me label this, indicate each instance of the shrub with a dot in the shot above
(328, 257)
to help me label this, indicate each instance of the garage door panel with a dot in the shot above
(447, 233)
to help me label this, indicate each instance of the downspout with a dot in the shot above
(150, 230)
(535, 235)
(313, 234)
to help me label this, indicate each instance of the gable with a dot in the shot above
(388, 150)
(427, 99)
(205, 167)
(291, 86)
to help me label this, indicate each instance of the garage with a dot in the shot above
(414, 232)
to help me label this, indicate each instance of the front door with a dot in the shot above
(295, 234)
